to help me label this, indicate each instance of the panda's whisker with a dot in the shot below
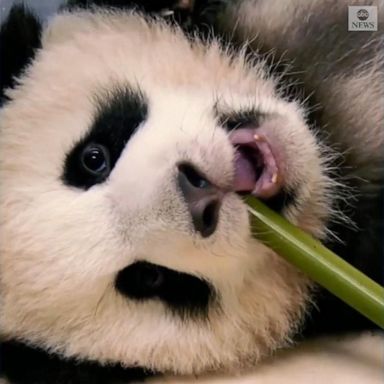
(108, 288)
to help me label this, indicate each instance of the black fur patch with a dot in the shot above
(119, 114)
(183, 293)
(197, 18)
(19, 38)
(145, 5)
(22, 364)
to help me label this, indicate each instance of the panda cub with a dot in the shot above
(128, 139)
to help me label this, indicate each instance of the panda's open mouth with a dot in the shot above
(181, 292)
(256, 167)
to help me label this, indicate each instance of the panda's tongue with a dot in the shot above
(255, 167)
(245, 173)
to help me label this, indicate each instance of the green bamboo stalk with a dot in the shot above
(318, 262)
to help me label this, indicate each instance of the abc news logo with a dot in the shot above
(362, 18)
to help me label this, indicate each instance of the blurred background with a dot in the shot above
(42, 8)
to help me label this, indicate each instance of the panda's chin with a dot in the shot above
(183, 293)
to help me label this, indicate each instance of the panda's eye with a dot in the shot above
(119, 113)
(95, 159)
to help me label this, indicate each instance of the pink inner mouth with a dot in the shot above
(256, 168)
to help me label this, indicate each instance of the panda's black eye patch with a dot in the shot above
(118, 115)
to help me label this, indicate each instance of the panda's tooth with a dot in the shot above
(274, 178)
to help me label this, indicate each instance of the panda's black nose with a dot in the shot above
(203, 199)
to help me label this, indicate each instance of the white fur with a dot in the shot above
(352, 360)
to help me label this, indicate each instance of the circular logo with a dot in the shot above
(362, 14)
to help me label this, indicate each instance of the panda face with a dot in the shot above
(124, 237)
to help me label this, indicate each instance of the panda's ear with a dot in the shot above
(19, 38)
